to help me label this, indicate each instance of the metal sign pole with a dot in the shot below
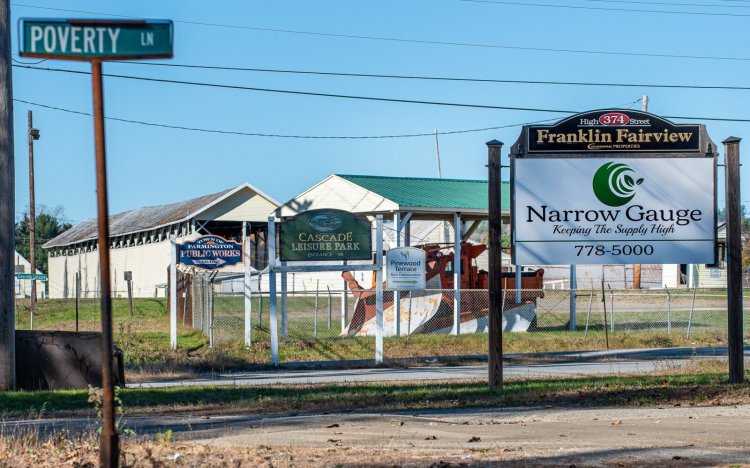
(173, 293)
(248, 296)
(379, 291)
(272, 290)
(109, 449)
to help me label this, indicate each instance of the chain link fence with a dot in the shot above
(331, 325)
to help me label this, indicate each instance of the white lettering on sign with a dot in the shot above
(147, 39)
(77, 39)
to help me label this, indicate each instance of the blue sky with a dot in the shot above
(149, 165)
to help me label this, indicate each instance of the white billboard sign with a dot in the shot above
(614, 210)
(406, 268)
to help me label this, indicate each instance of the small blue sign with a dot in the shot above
(209, 252)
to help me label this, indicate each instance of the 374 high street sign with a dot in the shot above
(82, 39)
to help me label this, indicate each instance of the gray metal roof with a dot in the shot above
(141, 219)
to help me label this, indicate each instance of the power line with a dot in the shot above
(271, 135)
(412, 41)
(439, 78)
(668, 3)
(303, 93)
(630, 10)
(365, 98)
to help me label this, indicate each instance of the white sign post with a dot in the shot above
(614, 210)
(405, 269)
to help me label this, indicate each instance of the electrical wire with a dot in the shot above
(303, 93)
(630, 10)
(440, 78)
(640, 2)
(365, 98)
(272, 135)
(409, 40)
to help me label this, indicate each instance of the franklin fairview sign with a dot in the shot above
(621, 131)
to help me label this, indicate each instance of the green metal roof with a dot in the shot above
(418, 192)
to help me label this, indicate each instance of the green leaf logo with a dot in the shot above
(613, 184)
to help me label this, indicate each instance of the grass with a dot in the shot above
(676, 387)
(144, 337)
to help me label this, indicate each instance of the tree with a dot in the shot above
(49, 224)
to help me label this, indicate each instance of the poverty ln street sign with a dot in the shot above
(80, 39)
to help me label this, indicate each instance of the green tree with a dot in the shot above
(49, 224)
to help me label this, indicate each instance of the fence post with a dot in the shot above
(260, 301)
(690, 317)
(284, 287)
(272, 290)
(173, 293)
(78, 295)
(456, 274)
(573, 293)
(330, 311)
(612, 309)
(588, 315)
(379, 291)
(248, 296)
(669, 311)
(315, 319)
(344, 304)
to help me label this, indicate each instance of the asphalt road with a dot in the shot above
(565, 364)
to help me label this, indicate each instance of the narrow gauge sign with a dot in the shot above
(326, 234)
(83, 39)
(406, 268)
(614, 210)
(209, 252)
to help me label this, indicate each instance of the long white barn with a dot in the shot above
(139, 241)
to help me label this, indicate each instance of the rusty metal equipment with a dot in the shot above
(430, 311)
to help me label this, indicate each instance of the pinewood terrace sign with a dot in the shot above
(81, 39)
(613, 131)
(326, 234)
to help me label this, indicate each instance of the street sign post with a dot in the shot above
(96, 41)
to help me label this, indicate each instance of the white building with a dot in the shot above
(139, 241)
(23, 286)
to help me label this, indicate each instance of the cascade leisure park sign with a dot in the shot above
(614, 187)
(209, 252)
(87, 39)
(325, 234)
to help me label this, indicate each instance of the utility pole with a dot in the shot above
(734, 259)
(7, 210)
(495, 367)
(33, 135)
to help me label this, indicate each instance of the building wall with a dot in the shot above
(147, 262)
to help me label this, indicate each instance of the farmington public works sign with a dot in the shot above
(589, 190)
(615, 131)
(325, 234)
(209, 252)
